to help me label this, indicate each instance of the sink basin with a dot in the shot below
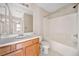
(23, 36)
(19, 37)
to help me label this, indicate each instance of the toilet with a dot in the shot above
(44, 47)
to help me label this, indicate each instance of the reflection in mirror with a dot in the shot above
(15, 19)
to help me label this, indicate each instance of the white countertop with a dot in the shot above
(10, 41)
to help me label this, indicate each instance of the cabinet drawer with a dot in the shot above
(4, 50)
(19, 46)
(27, 43)
(35, 40)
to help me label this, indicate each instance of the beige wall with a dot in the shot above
(28, 23)
(38, 16)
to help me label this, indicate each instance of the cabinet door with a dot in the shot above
(36, 49)
(29, 51)
(16, 53)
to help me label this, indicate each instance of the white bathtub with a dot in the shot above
(63, 49)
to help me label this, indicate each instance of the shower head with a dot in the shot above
(75, 5)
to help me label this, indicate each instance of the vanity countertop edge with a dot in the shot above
(19, 41)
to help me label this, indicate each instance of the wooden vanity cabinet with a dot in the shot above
(27, 48)
(4, 50)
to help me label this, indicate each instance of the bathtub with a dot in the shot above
(62, 49)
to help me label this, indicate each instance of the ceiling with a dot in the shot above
(51, 7)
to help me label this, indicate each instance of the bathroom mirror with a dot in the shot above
(15, 18)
